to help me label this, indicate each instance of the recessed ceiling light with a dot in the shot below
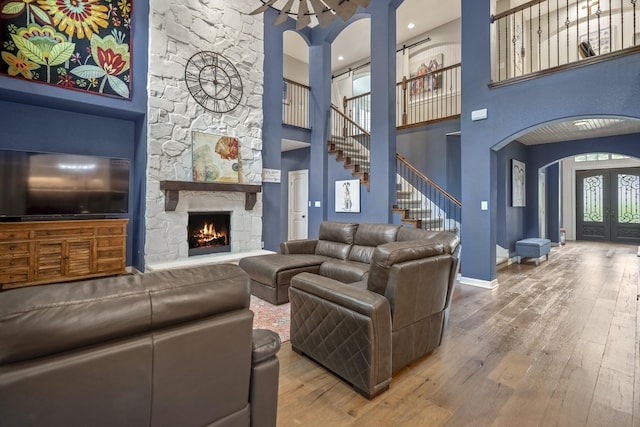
(411, 25)
(340, 58)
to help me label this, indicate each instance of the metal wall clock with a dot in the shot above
(213, 81)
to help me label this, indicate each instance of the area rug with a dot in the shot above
(268, 316)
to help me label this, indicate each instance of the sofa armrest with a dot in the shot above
(353, 298)
(345, 328)
(266, 344)
(265, 369)
(303, 246)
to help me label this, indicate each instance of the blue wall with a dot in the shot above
(432, 152)
(291, 161)
(322, 173)
(517, 109)
(49, 118)
(510, 221)
(552, 202)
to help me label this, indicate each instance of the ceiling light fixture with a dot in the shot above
(411, 26)
(325, 11)
(581, 123)
(340, 58)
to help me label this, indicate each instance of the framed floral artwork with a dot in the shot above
(215, 158)
(81, 44)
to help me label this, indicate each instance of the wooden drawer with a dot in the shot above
(18, 276)
(111, 242)
(114, 266)
(14, 234)
(13, 248)
(7, 264)
(65, 232)
(110, 253)
(114, 230)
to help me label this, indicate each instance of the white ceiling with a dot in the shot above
(576, 129)
(354, 45)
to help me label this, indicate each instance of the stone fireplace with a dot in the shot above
(209, 232)
(176, 33)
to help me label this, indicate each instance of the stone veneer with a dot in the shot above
(177, 30)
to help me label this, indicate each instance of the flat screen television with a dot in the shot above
(45, 186)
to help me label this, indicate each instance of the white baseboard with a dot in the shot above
(485, 284)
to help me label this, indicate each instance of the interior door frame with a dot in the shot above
(569, 197)
(290, 200)
(613, 230)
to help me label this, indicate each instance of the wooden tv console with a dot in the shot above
(41, 252)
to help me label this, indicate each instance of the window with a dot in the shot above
(593, 157)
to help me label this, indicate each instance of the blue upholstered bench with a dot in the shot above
(533, 248)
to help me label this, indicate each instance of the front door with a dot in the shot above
(608, 205)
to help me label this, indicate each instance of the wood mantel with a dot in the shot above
(172, 191)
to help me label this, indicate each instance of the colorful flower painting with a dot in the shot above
(76, 44)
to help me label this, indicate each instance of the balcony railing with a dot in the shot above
(542, 35)
(427, 98)
(295, 104)
(430, 97)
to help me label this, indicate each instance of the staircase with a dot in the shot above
(419, 201)
(423, 203)
(350, 143)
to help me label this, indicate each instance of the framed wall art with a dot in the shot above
(82, 44)
(518, 183)
(426, 66)
(348, 195)
(215, 158)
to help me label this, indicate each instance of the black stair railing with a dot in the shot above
(351, 143)
(424, 203)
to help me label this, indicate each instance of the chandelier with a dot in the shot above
(324, 11)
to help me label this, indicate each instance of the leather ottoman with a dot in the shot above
(271, 274)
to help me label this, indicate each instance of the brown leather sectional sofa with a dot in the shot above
(170, 348)
(366, 299)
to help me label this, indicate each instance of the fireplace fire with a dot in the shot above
(209, 232)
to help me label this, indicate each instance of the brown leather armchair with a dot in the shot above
(367, 330)
(169, 348)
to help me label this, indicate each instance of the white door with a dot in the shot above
(298, 204)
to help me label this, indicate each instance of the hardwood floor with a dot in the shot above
(553, 345)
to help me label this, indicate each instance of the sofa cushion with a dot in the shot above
(342, 232)
(361, 253)
(385, 256)
(56, 318)
(335, 239)
(185, 294)
(59, 317)
(449, 240)
(368, 236)
(344, 271)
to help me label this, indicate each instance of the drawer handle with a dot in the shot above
(12, 248)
